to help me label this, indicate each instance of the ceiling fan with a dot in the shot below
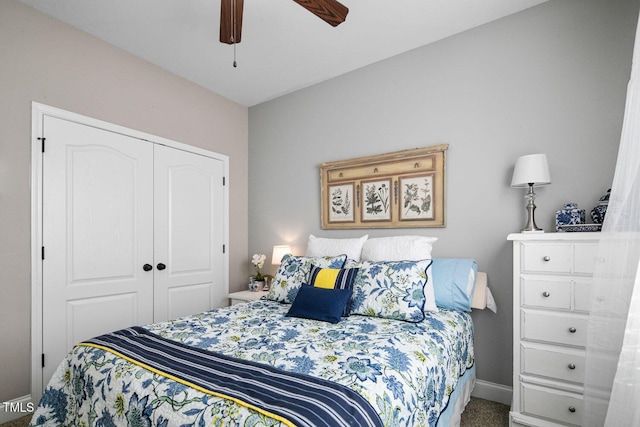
(330, 11)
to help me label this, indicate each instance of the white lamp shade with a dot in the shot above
(278, 252)
(531, 169)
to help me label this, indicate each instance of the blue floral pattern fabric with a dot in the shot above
(405, 370)
(294, 271)
(390, 289)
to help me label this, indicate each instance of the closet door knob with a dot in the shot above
(161, 266)
(571, 366)
(147, 267)
(546, 294)
(572, 330)
(547, 258)
(572, 409)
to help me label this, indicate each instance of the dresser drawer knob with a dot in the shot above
(571, 366)
(546, 294)
(572, 330)
(546, 258)
(572, 409)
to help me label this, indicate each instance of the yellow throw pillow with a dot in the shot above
(326, 278)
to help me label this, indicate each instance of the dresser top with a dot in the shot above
(561, 236)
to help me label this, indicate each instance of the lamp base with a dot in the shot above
(531, 226)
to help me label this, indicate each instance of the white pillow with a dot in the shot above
(398, 248)
(352, 248)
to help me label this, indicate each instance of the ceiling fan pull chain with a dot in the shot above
(233, 31)
(235, 64)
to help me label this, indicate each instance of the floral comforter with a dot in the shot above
(405, 370)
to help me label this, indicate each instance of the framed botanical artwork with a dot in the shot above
(376, 200)
(417, 198)
(394, 190)
(341, 203)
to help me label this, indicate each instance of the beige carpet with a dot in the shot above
(478, 413)
(20, 422)
(485, 413)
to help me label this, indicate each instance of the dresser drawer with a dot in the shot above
(560, 293)
(546, 293)
(556, 405)
(569, 329)
(547, 258)
(546, 361)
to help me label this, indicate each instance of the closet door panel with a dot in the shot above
(188, 208)
(97, 235)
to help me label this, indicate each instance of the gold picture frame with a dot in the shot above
(341, 203)
(375, 200)
(402, 189)
(416, 194)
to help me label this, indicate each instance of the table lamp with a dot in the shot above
(531, 171)
(278, 252)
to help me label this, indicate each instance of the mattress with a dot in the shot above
(406, 372)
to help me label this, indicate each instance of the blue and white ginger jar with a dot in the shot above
(569, 215)
(597, 213)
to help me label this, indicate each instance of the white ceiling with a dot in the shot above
(284, 47)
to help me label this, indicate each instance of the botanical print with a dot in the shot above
(341, 203)
(376, 200)
(417, 198)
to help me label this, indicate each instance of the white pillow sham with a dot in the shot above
(321, 247)
(398, 248)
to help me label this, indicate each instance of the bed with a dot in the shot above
(398, 352)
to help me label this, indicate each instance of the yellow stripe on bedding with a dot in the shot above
(326, 278)
(190, 384)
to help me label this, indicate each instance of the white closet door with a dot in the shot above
(97, 235)
(189, 236)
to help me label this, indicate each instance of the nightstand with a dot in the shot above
(245, 296)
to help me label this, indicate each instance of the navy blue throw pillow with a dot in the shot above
(322, 304)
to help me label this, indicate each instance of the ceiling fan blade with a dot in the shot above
(330, 11)
(231, 21)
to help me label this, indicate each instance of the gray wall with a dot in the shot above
(47, 61)
(551, 79)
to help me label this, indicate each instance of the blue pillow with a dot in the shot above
(333, 278)
(454, 280)
(322, 304)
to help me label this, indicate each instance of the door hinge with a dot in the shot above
(224, 248)
(43, 253)
(224, 180)
(42, 140)
(43, 360)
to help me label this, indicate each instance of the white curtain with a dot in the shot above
(612, 378)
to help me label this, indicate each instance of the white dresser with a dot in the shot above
(551, 285)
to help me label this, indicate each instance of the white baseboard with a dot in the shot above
(492, 391)
(16, 408)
